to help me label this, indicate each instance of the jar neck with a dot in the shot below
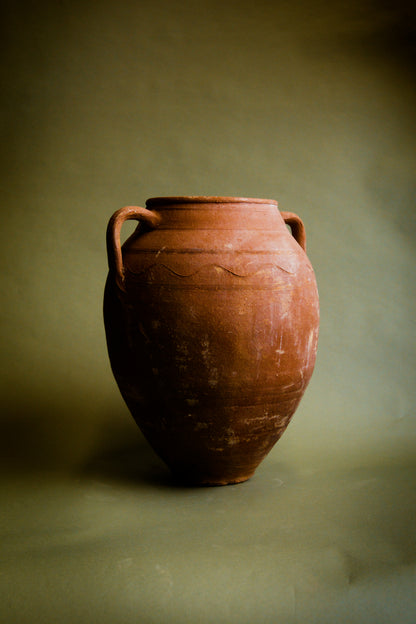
(216, 213)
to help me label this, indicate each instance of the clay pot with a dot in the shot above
(211, 314)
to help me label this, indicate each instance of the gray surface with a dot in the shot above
(106, 104)
(288, 546)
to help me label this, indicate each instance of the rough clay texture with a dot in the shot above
(211, 313)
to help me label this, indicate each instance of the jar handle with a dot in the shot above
(115, 259)
(297, 227)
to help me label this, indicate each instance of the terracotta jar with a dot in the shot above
(211, 313)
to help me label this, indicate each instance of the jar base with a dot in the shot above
(187, 479)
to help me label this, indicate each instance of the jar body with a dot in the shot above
(213, 337)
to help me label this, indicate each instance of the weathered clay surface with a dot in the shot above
(211, 313)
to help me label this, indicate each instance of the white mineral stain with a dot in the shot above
(213, 377)
(232, 439)
(182, 357)
(309, 347)
(160, 251)
(205, 346)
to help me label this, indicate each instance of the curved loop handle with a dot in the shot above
(115, 259)
(297, 227)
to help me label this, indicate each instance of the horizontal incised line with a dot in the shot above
(186, 228)
(211, 251)
(182, 286)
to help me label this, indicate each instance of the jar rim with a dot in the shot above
(201, 199)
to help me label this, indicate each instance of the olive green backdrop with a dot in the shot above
(108, 103)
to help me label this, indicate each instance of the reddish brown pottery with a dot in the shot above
(211, 313)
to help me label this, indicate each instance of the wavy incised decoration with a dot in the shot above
(208, 267)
